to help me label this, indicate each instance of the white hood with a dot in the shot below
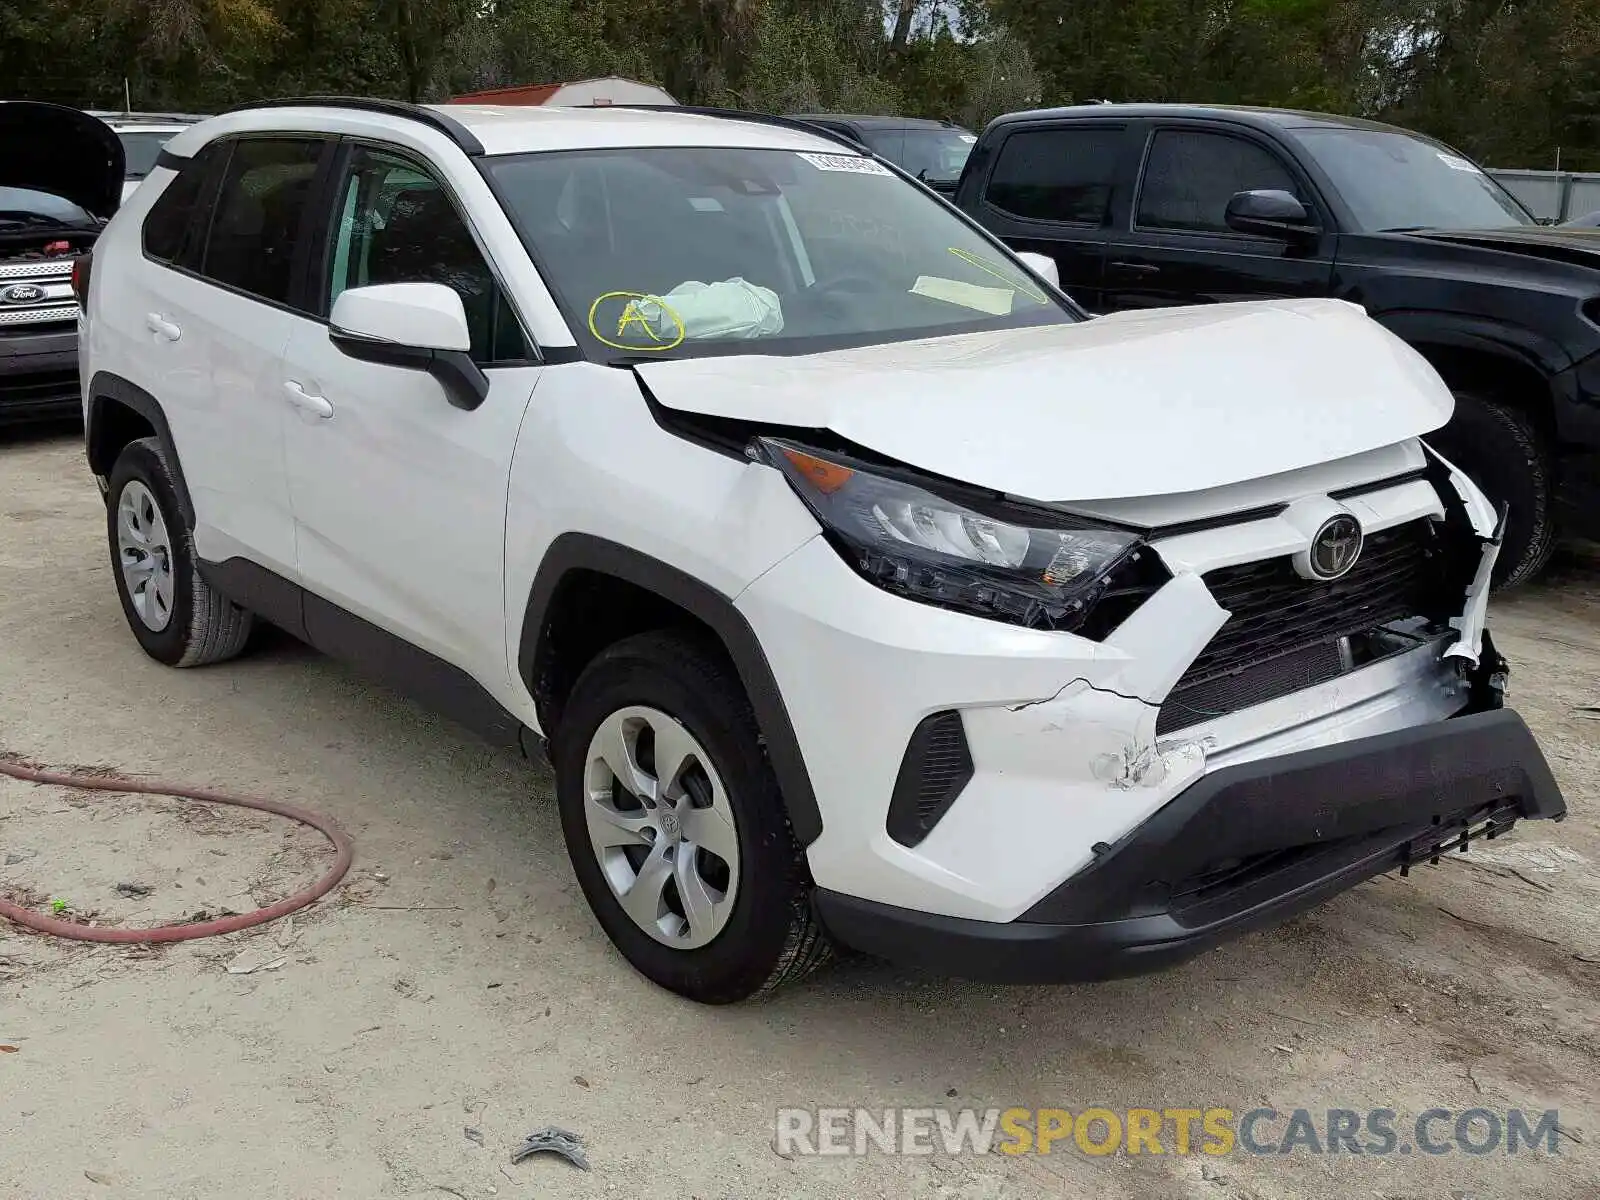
(1135, 404)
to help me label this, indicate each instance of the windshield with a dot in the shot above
(140, 147)
(25, 205)
(683, 252)
(1393, 181)
(926, 153)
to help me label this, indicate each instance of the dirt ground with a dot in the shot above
(458, 982)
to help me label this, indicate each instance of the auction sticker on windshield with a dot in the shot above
(849, 163)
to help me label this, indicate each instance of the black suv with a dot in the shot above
(1143, 206)
(60, 181)
(933, 151)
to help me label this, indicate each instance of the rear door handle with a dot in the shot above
(1132, 268)
(316, 405)
(162, 328)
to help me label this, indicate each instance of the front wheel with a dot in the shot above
(1503, 451)
(675, 826)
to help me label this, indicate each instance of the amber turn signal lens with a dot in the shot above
(825, 476)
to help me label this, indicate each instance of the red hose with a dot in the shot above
(199, 929)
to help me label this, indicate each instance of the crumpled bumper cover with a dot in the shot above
(1242, 848)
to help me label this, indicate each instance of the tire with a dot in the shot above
(1504, 452)
(764, 933)
(177, 617)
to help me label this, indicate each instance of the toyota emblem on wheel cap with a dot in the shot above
(1335, 547)
(22, 293)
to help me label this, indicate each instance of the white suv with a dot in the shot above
(864, 590)
(143, 135)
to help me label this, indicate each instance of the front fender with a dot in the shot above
(1484, 335)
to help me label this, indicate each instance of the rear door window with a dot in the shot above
(1063, 175)
(260, 219)
(1191, 174)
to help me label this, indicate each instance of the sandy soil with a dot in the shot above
(458, 982)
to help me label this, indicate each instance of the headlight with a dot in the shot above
(1026, 568)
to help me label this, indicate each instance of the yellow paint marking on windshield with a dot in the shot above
(1010, 280)
(632, 316)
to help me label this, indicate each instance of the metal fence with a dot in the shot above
(1553, 195)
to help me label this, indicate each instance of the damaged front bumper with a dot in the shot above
(1244, 847)
(969, 772)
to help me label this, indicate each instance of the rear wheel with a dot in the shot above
(177, 617)
(1504, 452)
(675, 826)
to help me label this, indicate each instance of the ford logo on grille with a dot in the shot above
(1335, 547)
(23, 293)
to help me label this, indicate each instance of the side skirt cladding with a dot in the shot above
(585, 553)
(375, 652)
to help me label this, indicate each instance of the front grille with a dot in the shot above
(43, 314)
(32, 270)
(1283, 632)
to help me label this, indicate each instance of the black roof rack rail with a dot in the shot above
(445, 124)
(742, 114)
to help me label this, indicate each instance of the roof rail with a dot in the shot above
(137, 118)
(445, 124)
(741, 114)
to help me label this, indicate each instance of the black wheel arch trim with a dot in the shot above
(585, 552)
(106, 388)
(1486, 335)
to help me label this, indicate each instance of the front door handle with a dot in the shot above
(316, 405)
(1132, 268)
(161, 327)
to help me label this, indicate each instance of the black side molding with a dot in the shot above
(107, 390)
(390, 660)
(266, 593)
(377, 653)
(583, 552)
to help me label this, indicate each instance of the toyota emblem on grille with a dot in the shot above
(23, 293)
(1335, 547)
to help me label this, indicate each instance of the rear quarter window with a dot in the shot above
(175, 223)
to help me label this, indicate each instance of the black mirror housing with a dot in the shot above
(465, 384)
(1269, 212)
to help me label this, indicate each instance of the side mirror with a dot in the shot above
(1041, 265)
(1270, 213)
(420, 326)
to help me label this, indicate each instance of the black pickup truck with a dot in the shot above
(1148, 205)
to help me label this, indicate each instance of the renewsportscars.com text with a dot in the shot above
(1181, 1131)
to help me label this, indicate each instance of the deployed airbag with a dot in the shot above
(734, 308)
